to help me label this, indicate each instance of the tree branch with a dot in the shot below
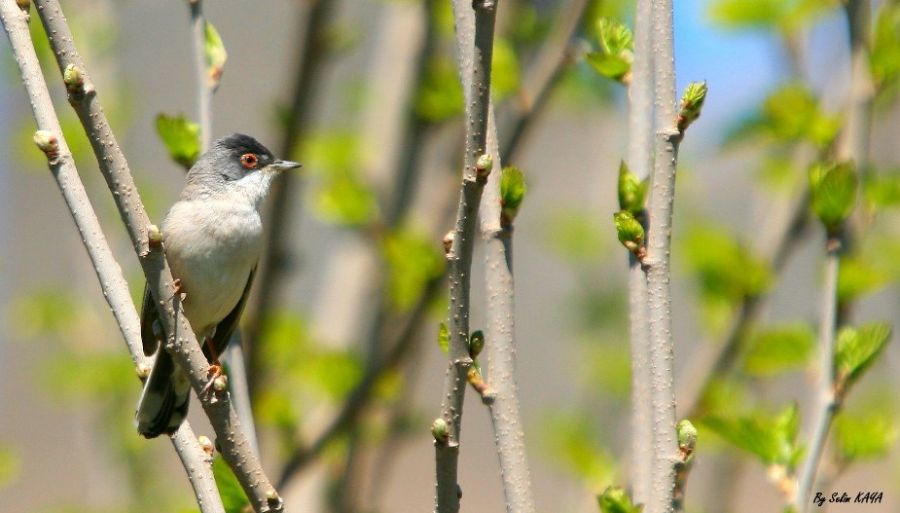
(181, 341)
(477, 166)
(204, 91)
(196, 462)
(640, 162)
(662, 197)
(828, 399)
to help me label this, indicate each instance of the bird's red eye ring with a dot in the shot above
(249, 160)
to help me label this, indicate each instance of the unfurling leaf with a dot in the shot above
(691, 104)
(443, 338)
(215, 55)
(616, 500)
(512, 192)
(833, 193)
(632, 192)
(613, 58)
(181, 137)
(629, 230)
(856, 351)
(772, 440)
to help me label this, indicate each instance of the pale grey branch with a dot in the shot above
(196, 462)
(181, 341)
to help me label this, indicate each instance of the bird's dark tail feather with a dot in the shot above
(164, 402)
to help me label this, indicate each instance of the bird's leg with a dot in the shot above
(215, 367)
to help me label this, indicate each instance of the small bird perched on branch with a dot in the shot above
(213, 240)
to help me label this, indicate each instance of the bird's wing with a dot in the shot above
(227, 326)
(149, 317)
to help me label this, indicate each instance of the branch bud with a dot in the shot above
(476, 343)
(142, 370)
(73, 77)
(483, 166)
(632, 192)
(440, 430)
(691, 104)
(448, 242)
(631, 233)
(24, 5)
(272, 495)
(206, 444)
(512, 192)
(220, 383)
(687, 439)
(154, 236)
(47, 142)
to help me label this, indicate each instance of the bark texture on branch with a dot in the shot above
(180, 339)
(196, 462)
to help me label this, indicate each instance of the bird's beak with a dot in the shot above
(284, 165)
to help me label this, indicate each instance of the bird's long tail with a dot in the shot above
(163, 405)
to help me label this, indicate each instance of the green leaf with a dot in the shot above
(233, 497)
(833, 192)
(864, 435)
(778, 349)
(857, 350)
(512, 192)
(614, 56)
(632, 192)
(216, 55)
(412, 262)
(772, 440)
(691, 104)
(181, 138)
(443, 338)
(616, 500)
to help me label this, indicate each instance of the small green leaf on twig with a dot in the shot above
(833, 190)
(632, 192)
(181, 137)
(856, 351)
(512, 192)
(215, 55)
(691, 104)
(631, 233)
(687, 439)
(614, 57)
(443, 338)
(616, 500)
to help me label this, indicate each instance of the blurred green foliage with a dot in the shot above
(864, 434)
(9, 466)
(782, 15)
(412, 261)
(570, 442)
(884, 57)
(772, 439)
(574, 235)
(341, 196)
(779, 348)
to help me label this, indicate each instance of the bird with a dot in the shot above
(213, 238)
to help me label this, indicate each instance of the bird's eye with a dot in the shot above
(249, 160)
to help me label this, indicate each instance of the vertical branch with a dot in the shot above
(196, 462)
(477, 166)
(204, 90)
(828, 399)
(180, 339)
(662, 196)
(640, 161)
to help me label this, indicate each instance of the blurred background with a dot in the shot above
(365, 94)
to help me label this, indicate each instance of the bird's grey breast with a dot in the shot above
(212, 244)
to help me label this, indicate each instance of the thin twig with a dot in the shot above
(204, 91)
(659, 301)
(828, 401)
(196, 462)
(181, 341)
(475, 42)
(640, 162)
